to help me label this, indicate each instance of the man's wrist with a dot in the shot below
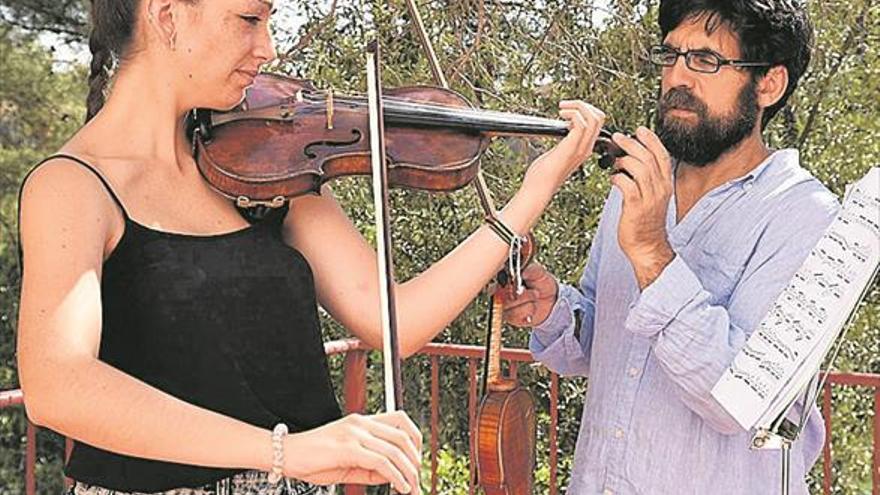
(647, 267)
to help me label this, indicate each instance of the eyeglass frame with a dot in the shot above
(688, 55)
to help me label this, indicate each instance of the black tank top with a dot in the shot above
(228, 322)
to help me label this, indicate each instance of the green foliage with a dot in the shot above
(453, 472)
(515, 56)
(39, 108)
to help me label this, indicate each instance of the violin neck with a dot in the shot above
(494, 378)
(466, 119)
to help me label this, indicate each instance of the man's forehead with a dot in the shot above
(692, 34)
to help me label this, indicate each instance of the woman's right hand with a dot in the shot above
(359, 449)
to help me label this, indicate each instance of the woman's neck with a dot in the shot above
(142, 119)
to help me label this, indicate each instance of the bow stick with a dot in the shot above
(391, 348)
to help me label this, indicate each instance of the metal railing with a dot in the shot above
(355, 400)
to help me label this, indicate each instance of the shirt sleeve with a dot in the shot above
(696, 340)
(556, 344)
(563, 341)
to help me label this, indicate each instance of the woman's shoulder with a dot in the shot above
(66, 192)
(66, 173)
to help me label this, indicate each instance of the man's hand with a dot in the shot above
(533, 306)
(646, 188)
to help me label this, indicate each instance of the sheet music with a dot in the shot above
(785, 351)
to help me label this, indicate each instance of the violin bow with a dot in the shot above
(390, 347)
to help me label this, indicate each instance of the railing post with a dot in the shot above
(875, 474)
(554, 426)
(826, 449)
(68, 448)
(354, 385)
(435, 419)
(472, 423)
(30, 460)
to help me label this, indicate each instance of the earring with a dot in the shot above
(172, 41)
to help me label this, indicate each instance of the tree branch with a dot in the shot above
(850, 41)
(41, 27)
(310, 35)
(481, 24)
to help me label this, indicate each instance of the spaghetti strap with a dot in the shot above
(91, 169)
(80, 161)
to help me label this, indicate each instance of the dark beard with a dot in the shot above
(704, 142)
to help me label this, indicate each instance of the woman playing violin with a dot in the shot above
(173, 340)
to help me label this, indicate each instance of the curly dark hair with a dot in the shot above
(774, 31)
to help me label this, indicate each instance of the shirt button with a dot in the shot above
(633, 372)
(607, 492)
(618, 433)
(747, 185)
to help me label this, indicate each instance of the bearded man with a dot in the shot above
(696, 240)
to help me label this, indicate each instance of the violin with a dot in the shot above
(287, 138)
(505, 426)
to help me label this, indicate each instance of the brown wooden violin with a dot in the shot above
(505, 426)
(287, 138)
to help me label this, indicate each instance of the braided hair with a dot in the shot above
(113, 25)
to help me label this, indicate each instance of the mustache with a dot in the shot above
(682, 99)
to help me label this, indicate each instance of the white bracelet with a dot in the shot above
(278, 434)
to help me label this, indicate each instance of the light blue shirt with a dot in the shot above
(650, 425)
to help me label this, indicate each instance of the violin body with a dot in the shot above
(505, 442)
(291, 149)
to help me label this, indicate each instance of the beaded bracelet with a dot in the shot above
(278, 435)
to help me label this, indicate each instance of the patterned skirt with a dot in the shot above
(246, 483)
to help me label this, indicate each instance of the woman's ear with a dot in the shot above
(772, 86)
(162, 22)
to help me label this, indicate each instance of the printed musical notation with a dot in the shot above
(788, 346)
(752, 380)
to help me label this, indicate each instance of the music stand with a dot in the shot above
(782, 432)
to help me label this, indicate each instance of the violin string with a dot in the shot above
(419, 108)
(354, 98)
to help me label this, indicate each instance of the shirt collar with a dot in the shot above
(785, 158)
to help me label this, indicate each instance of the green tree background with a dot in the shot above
(509, 55)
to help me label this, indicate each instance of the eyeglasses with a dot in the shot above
(697, 60)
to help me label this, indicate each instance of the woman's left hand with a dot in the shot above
(556, 165)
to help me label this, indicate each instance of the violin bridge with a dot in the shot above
(330, 110)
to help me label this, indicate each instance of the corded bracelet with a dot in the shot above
(515, 243)
(278, 435)
(501, 229)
